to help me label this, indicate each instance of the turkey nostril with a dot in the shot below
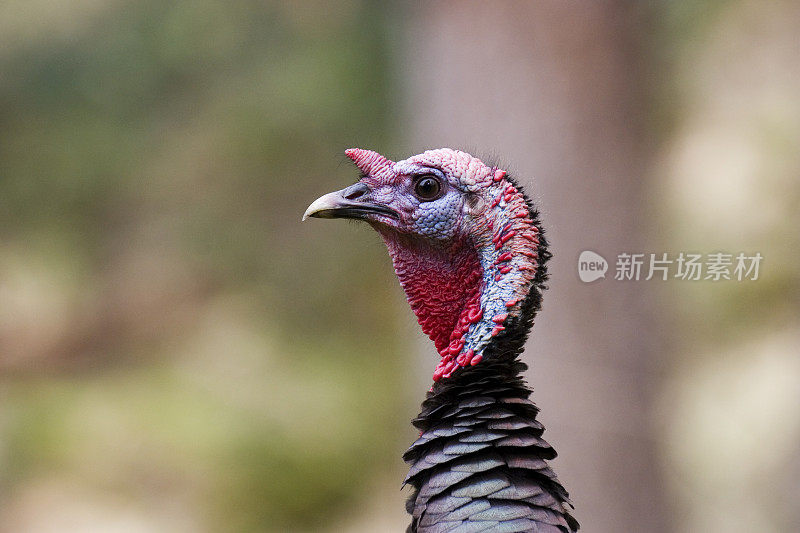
(356, 191)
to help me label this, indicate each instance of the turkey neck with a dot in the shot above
(481, 457)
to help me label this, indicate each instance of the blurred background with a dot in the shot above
(179, 354)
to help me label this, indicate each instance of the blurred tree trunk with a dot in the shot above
(557, 90)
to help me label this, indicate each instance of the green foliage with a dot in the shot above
(191, 340)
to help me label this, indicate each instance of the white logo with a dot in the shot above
(591, 266)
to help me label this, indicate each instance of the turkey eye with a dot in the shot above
(427, 188)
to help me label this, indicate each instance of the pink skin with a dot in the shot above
(466, 258)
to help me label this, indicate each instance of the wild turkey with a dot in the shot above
(469, 251)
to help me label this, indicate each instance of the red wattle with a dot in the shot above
(443, 288)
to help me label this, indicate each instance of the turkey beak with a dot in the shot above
(348, 203)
